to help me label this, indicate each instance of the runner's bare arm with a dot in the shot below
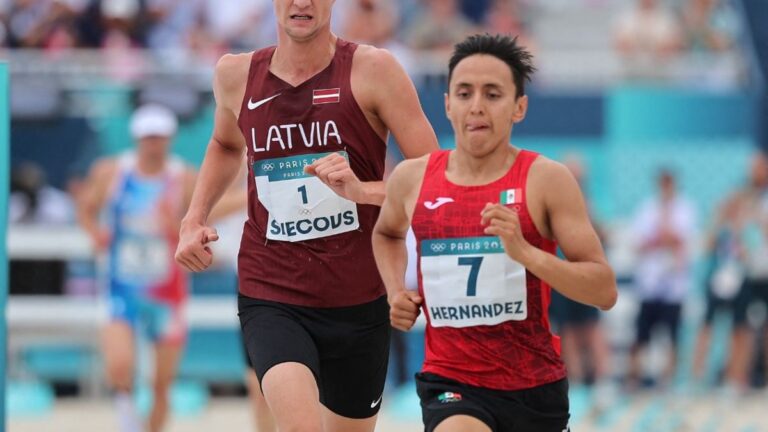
(394, 100)
(585, 276)
(226, 146)
(221, 164)
(389, 240)
(93, 198)
(390, 102)
(392, 227)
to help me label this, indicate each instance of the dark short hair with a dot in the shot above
(504, 48)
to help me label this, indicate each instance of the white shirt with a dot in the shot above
(411, 274)
(648, 29)
(660, 274)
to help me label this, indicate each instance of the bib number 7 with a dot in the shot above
(474, 264)
(470, 281)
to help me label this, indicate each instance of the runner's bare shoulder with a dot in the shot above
(231, 77)
(379, 66)
(376, 62)
(409, 174)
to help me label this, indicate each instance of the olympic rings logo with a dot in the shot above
(438, 247)
(267, 167)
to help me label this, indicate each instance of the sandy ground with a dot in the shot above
(222, 414)
(653, 412)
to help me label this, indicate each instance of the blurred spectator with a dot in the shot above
(265, 27)
(120, 17)
(172, 23)
(665, 228)
(711, 29)
(230, 23)
(131, 207)
(755, 16)
(439, 27)
(755, 238)
(5, 7)
(410, 11)
(645, 35)
(27, 23)
(726, 262)
(709, 25)
(507, 17)
(33, 201)
(119, 39)
(374, 22)
(61, 25)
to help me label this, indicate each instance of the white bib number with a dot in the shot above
(300, 206)
(471, 281)
(143, 258)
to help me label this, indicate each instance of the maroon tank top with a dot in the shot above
(487, 316)
(302, 243)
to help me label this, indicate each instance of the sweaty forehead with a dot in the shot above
(482, 69)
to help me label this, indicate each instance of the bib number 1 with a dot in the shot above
(300, 206)
(303, 192)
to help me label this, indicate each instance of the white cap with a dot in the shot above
(121, 9)
(153, 120)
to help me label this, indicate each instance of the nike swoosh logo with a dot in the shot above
(438, 202)
(376, 402)
(253, 105)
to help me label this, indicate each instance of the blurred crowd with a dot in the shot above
(649, 33)
(651, 28)
(736, 283)
(643, 29)
(232, 25)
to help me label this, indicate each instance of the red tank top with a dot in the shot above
(303, 244)
(487, 316)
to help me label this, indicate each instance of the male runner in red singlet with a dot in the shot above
(313, 114)
(487, 218)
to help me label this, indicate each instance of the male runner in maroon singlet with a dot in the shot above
(487, 218)
(313, 114)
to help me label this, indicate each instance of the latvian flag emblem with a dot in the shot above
(326, 96)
